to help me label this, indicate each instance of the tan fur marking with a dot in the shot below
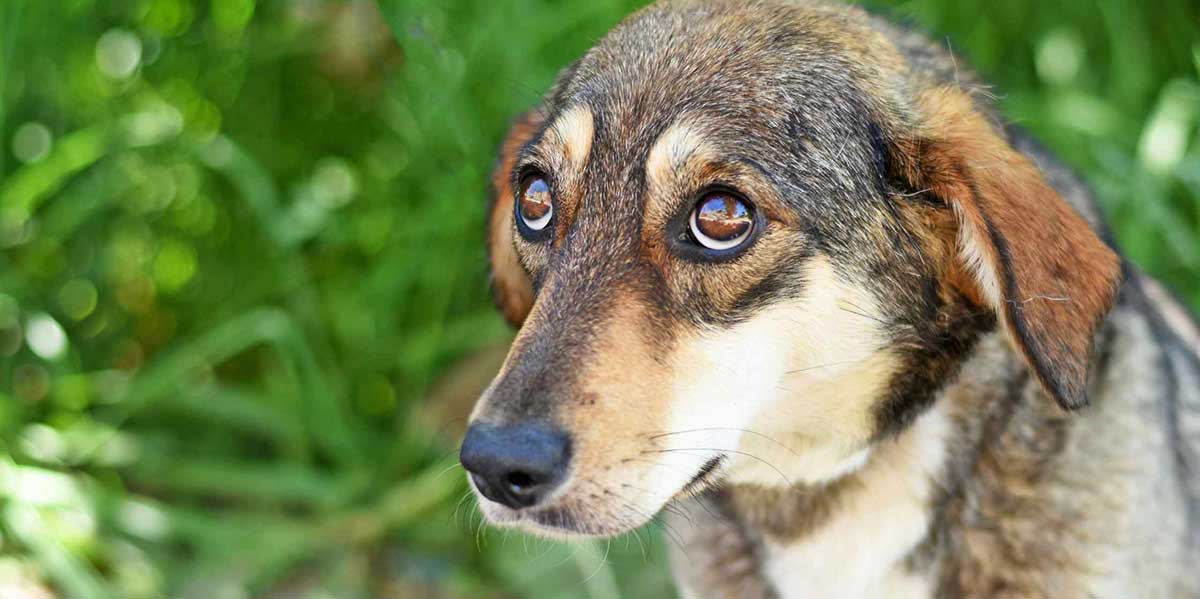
(574, 130)
(672, 151)
(937, 231)
(616, 419)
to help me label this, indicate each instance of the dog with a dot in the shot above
(779, 268)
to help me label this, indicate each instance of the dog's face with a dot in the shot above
(743, 246)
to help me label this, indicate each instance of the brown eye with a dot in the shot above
(534, 206)
(721, 221)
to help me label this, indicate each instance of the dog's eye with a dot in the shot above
(721, 221)
(534, 205)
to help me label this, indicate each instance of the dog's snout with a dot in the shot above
(516, 465)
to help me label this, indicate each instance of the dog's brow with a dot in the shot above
(573, 130)
(672, 149)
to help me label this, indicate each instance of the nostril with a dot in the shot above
(479, 481)
(520, 482)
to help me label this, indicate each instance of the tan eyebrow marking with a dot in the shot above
(574, 130)
(672, 150)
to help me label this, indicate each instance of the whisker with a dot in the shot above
(603, 562)
(466, 495)
(661, 465)
(637, 534)
(674, 509)
(549, 547)
(735, 451)
(828, 365)
(542, 545)
(700, 500)
(447, 469)
(744, 430)
(670, 531)
(858, 311)
(628, 505)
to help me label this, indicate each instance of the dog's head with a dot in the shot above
(744, 242)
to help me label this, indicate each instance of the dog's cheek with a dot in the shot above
(722, 380)
(788, 393)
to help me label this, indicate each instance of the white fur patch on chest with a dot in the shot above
(859, 552)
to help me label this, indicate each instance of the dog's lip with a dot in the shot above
(555, 519)
(551, 520)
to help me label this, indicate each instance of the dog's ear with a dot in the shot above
(1030, 256)
(511, 286)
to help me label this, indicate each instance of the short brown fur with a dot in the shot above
(1057, 278)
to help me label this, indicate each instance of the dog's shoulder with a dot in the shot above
(1169, 336)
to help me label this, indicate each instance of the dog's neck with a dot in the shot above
(850, 537)
(881, 530)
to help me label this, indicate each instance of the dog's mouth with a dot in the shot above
(565, 520)
(594, 511)
(557, 521)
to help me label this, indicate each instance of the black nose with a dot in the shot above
(516, 465)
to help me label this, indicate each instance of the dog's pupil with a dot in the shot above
(722, 217)
(535, 199)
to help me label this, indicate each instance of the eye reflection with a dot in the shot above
(534, 205)
(721, 221)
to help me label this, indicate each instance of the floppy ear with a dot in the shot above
(1032, 258)
(511, 287)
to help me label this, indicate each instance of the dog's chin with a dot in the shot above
(559, 521)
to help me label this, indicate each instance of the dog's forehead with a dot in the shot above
(681, 49)
(668, 59)
(760, 77)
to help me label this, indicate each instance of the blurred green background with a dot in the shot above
(243, 296)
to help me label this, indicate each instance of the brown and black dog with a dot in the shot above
(780, 264)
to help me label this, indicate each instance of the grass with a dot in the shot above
(243, 301)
